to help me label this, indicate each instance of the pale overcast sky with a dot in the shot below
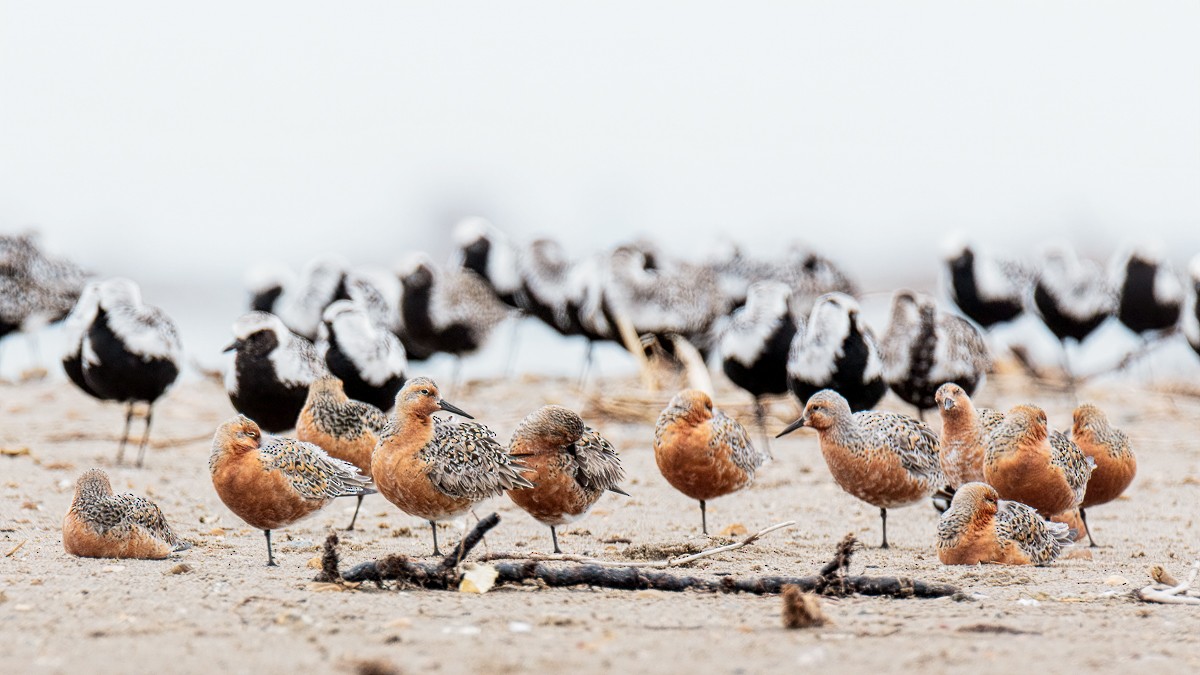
(154, 140)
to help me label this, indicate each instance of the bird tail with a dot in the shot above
(942, 498)
(1062, 536)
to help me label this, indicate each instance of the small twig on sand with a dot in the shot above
(445, 575)
(1173, 595)
(669, 562)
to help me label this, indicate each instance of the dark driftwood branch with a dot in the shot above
(833, 579)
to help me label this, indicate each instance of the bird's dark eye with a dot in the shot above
(424, 392)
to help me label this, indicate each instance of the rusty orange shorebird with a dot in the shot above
(885, 459)
(346, 429)
(702, 452)
(965, 432)
(437, 469)
(270, 482)
(570, 465)
(1109, 448)
(1029, 463)
(981, 528)
(101, 524)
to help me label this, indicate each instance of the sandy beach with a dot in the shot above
(217, 608)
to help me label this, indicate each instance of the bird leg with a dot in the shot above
(587, 363)
(554, 537)
(125, 436)
(355, 518)
(1083, 517)
(145, 435)
(270, 555)
(513, 343)
(1070, 373)
(883, 516)
(703, 518)
(760, 416)
(433, 526)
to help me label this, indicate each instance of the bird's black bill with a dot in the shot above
(790, 428)
(619, 491)
(454, 409)
(948, 404)
(232, 346)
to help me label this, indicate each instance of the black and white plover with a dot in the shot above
(131, 353)
(835, 349)
(1072, 296)
(662, 300)
(366, 357)
(265, 283)
(1190, 321)
(1149, 295)
(300, 304)
(75, 328)
(446, 311)
(272, 368)
(754, 345)
(489, 253)
(986, 289)
(36, 289)
(925, 348)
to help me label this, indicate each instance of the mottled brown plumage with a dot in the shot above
(1027, 462)
(980, 528)
(271, 482)
(1109, 448)
(702, 452)
(101, 524)
(346, 429)
(965, 430)
(437, 469)
(570, 465)
(885, 459)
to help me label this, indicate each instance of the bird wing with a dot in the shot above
(310, 471)
(1075, 465)
(146, 331)
(144, 513)
(467, 461)
(990, 420)
(1042, 541)
(598, 467)
(372, 417)
(728, 431)
(913, 441)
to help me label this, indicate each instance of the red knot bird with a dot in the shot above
(701, 451)
(981, 528)
(101, 524)
(886, 459)
(434, 468)
(346, 429)
(1109, 448)
(272, 482)
(570, 465)
(1029, 463)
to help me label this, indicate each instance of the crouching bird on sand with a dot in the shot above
(981, 528)
(101, 524)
